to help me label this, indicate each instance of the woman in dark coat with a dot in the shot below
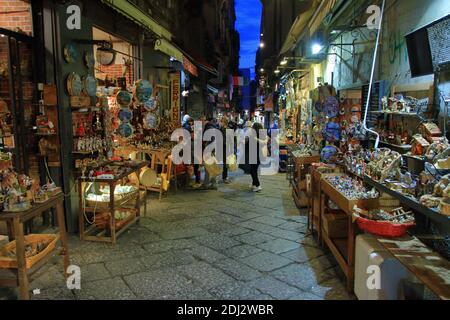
(254, 167)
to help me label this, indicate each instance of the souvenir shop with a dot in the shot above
(371, 168)
(93, 139)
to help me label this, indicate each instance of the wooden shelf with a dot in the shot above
(405, 147)
(429, 267)
(87, 152)
(91, 232)
(398, 113)
(46, 134)
(421, 159)
(413, 204)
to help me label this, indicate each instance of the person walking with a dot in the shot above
(254, 165)
(227, 150)
(189, 126)
(209, 182)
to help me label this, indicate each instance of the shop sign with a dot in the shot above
(268, 105)
(190, 67)
(175, 96)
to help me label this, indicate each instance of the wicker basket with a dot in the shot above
(7, 262)
(382, 228)
(102, 220)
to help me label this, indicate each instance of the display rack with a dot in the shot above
(427, 266)
(413, 204)
(108, 229)
(343, 249)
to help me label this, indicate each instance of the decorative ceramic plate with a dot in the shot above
(331, 107)
(144, 91)
(89, 86)
(89, 60)
(151, 121)
(327, 153)
(124, 98)
(126, 130)
(74, 84)
(151, 105)
(70, 52)
(105, 57)
(332, 132)
(125, 115)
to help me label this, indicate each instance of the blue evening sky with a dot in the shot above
(248, 24)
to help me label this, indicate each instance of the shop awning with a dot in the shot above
(135, 14)
(297, 30)
(175, 52)
(169, 49)
(308, 21)
(319, 17)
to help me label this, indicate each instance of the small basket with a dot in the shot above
(7, 262)
(382, 228)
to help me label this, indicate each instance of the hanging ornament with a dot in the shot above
(331, 107)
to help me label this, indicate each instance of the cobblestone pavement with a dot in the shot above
(224, 244)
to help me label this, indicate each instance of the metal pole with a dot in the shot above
(374, 62)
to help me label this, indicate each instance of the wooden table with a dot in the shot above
(342, 249)
(428, 267)
(15, 222)
(87, 233)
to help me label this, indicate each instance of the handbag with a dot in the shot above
(213, 168)
(232, 163)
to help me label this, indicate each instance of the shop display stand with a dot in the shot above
(419, 91)
(301, 170)
(343, 249)
(92, 232)
(49, 108)
(432, 214)
(429, 267)
(15, 221)
(315, 208)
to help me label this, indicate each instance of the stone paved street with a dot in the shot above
(224, 244)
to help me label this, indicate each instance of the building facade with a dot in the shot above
(189, 46)
(206, 29)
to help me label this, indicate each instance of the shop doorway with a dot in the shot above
(19, 101)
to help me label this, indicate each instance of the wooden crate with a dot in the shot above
(343, 202)
(7, 262)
